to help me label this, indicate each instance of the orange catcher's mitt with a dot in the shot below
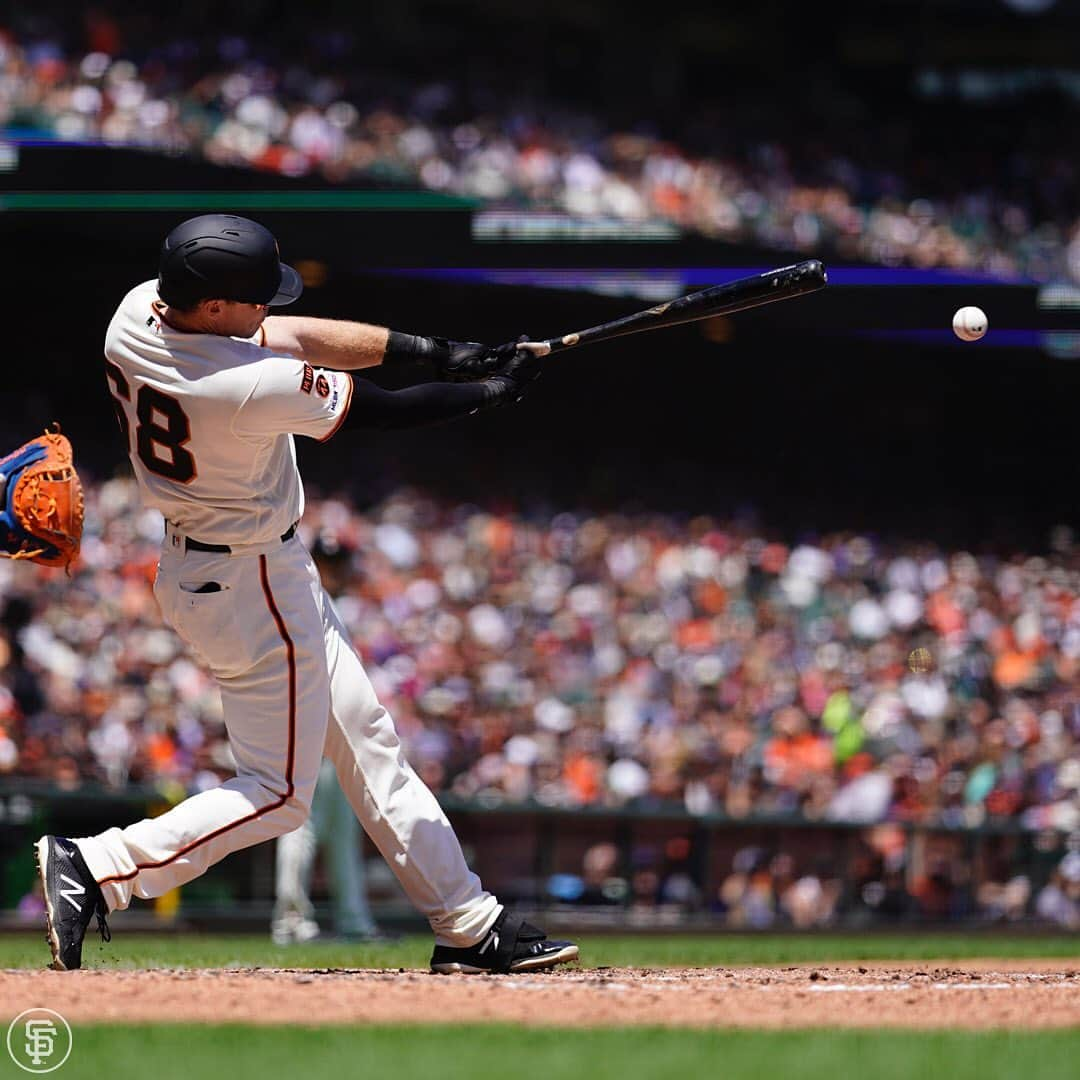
(41, 502)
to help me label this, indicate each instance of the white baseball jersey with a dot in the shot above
(209, 422)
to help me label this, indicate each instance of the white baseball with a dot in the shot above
(969, 323)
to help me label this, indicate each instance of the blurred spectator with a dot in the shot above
(811, 899)
(679, 890)
(942, 891)
(746, 896)
(763, 892)
(1058, 901)
(1005, 897)
(31, 907)
(602, 883)
(644, 881)
(598, 884)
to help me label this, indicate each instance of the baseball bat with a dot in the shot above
(748, 292)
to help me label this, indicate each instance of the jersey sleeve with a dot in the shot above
(292, 397)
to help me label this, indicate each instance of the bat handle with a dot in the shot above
(543, 348)
(537, 348)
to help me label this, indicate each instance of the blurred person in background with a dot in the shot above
(1003, 895)
(600, 876)
(331, 830)
(811, 899)
(746, 895)
(1058, 901)
(598, 885)
(679, 889)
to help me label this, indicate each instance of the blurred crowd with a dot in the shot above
(578, 660)
(812, 885)
(584, 660)
(878, 192)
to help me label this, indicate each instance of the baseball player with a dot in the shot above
(209, 393)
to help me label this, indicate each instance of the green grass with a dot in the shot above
(401, 1052)
(130, 950)
(468, 1052)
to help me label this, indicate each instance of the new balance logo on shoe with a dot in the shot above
(66, 877)
(74, 889)
(492, 942)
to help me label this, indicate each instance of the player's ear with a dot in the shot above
(213, 309)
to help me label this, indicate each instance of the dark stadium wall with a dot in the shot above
(783, 410)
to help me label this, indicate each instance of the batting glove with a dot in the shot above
(454, 361)
(514, 378)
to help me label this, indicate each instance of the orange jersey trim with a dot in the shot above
(344, 411)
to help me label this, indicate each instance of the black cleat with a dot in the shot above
(72, 897)
(510, 945)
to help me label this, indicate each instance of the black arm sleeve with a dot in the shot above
(428, 403)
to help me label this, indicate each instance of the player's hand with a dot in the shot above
(513, 379)
(467, 361)
(453, 361)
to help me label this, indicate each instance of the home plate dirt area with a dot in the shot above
(972, 994)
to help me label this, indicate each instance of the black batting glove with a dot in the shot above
(453, 361)
(514, 378)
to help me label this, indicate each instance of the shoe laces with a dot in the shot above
(102, 925)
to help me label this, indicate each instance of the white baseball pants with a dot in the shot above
(292, 690)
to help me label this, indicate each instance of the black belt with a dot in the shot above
(224, 549)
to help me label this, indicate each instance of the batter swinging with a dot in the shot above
(209, 393)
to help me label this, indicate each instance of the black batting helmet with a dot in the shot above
(224, 257)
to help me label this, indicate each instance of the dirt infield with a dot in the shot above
(1021, 994)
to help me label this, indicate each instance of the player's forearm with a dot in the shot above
(417, 406)
(331, 343)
